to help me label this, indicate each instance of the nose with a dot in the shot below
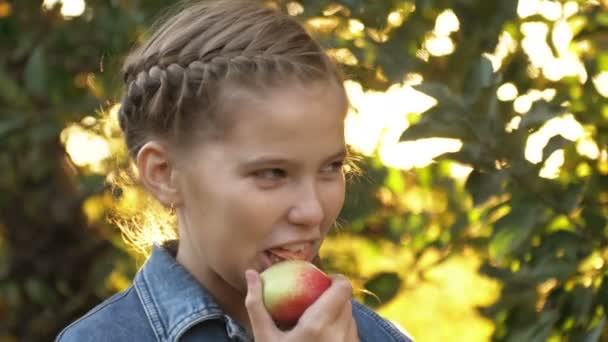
(307, 209)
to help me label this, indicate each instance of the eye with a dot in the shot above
(335, 167)
(270, 174)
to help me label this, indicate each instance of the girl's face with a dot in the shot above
(271, 188)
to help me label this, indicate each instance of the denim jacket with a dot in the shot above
(166, 303)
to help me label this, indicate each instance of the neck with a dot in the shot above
(230, 299)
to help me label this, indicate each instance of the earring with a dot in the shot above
(172, 208)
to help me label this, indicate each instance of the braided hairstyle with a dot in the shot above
(177, 80)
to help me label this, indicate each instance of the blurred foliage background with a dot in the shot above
(482, 211)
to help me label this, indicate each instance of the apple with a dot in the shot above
(290, 287)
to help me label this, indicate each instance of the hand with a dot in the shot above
(328, 319)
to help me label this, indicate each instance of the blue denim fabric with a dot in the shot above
(165, 303)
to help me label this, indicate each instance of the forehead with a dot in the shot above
(288, 119)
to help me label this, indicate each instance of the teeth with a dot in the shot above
(296, 247)
(274, 258)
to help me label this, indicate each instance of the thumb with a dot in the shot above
(261, 323)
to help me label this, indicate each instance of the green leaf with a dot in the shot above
(548, 268)
(577, 23)
(394, 181)
(472, 154)
(36, 74)
(484, 185)
(10, 125)
(9, 89)
(93, 183)
(602, 293)
(480, 77)
(397, 225)
(594, 220)
(441, 121)
(431, 129)
(581, 301)
(537, 331)
(439, 91)
(541, 112)
(358, 204)
(513, 229)
(555, 143)
(38, 291)
(383, 286)
(602, 18)
(459, 226)
(594, 334)
(572, 197)
(571, 244)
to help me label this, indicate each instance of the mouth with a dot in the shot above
(295, 251)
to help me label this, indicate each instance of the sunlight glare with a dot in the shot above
(554, 69)
(570, 8)
(588, 147)
(439, 45)
(343, 55)
(379, 119)
(295, 8)
(506, 45)
(550, 9)
(561, 36)
(507, 92)
(407, 155)
(460, 171)
(602, 165)
(541, 56)
(413, 78)
(69, 8)
(535, 43)
(322, 24)
(423, 54)
(565, 125)
(446, 23)
(355, 26)
(111, 123)
(48, 4)
(513, 124)
(395, 19)
(526, 8)
(600, 81)
(553, 164)
(523, 103)
(85, 148)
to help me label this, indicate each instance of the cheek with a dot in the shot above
(255, 212)
(333, 199)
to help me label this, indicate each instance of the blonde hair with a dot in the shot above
(176, 80)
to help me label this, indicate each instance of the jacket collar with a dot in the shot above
(174, 301)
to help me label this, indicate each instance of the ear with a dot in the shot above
(158, 173)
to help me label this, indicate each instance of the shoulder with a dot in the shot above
(372, 327)
(118, 318)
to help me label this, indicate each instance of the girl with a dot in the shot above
(234, 117)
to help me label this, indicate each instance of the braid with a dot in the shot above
(177, 81)
(183, 65)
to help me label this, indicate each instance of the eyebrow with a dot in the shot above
(265, 160)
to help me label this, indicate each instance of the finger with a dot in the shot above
(353, 334)
(261, 323)
(330, 304)
(340, 327)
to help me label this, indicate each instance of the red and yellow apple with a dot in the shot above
(290, 287)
